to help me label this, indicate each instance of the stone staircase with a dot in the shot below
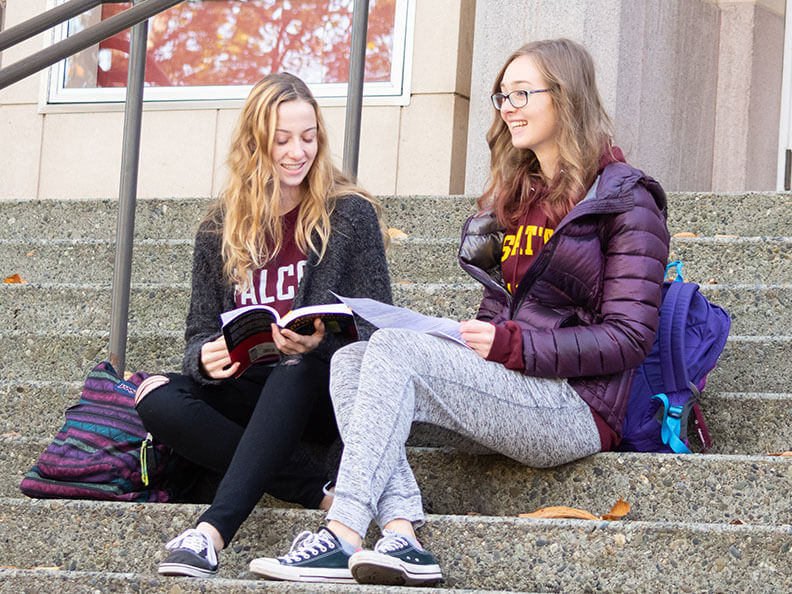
(715, 522)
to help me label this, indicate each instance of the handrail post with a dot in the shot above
(354, 106)
(130, 159)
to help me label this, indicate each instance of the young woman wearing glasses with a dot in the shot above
(570, 245)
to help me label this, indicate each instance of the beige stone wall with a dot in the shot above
(75, 152)
(693, 86)
(749, 97)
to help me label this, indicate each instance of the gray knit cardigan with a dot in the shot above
(354, 265)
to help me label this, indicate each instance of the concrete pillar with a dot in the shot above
(749, 96)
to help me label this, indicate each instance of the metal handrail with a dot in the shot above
(354, 106)
(84, 39)
(47, 20)
(136, 17)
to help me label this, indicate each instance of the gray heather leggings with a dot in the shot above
(379, 388)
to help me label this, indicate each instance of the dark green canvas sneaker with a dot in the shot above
(192, 554)
(395, 561)
(313, 557)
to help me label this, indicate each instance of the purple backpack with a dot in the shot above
(103, 451)
(690, 337)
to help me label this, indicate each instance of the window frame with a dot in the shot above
(394, 92)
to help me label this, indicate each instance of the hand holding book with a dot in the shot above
(293, 343)
(250, 338)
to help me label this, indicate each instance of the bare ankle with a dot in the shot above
(213, 535)
(401, 526)
(346, 533)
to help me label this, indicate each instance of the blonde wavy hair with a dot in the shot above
(584, 133)
(249, 206)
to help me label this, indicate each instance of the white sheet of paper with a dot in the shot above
(383, 315)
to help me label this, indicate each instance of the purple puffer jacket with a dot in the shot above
(587, 307)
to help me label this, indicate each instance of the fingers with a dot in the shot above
(291, 343)
(215, 360)
(478, 335)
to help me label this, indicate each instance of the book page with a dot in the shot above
(313, 311)
(227, 316)
(383, 315)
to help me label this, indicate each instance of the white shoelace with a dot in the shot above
(308, 544)
(391, 541)
(195, 541)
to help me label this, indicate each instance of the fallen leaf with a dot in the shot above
(620, 509)
(712, 281)
(14, 279)
(725, 235)
(45, 568)
(787, 453)
(31, 253)
(11, 434)
(397, 233)
(684, 234)
(404, 283)
(560, 511)
(736, 522)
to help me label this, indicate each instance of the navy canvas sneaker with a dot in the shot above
(193, 555)
(313, 557)
(395, 561)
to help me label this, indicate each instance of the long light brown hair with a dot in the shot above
(584, 133)
(249, 206)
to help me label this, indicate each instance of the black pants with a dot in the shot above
(270, 431)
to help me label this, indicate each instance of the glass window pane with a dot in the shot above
(236, 42)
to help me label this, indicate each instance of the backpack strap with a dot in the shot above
(670, 426)
(671, 334)
(701, 429)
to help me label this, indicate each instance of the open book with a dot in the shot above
(248, 330)
(383, 315)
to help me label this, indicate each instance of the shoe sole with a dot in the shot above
(273, 570)
(185, 570)
(368, 567)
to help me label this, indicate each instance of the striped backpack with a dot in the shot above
(103, 451)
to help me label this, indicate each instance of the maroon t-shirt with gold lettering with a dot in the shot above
(275, 284)
(522, 244)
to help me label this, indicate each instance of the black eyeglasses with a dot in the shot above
(518, 98)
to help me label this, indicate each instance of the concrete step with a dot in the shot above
(28, 581)
(740, 422)
(479, 552)
(748, 363)
(755, 309)
(746, 214)
(709, 488)
(708, 260)
(70, 307)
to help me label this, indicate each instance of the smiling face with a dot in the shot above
(533, 126)
(294, 148)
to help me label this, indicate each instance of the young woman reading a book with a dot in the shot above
(287, 230)
(570, 246)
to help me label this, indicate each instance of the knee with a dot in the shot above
(150, 401)
(350, 354)
(149, 384)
